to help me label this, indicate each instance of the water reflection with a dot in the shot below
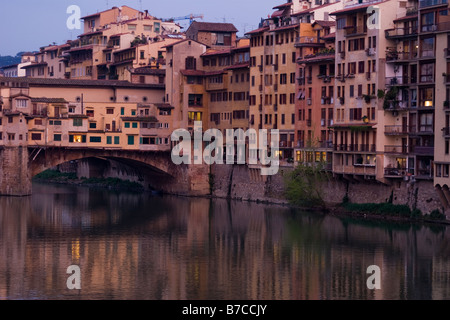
(134, 246)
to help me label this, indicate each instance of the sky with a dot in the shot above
(27, 25)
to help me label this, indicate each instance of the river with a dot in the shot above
(139, 246)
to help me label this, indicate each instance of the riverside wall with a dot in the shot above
(243, 183)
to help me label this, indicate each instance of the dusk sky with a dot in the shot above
(28, 25)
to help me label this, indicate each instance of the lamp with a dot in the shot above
(365, 119)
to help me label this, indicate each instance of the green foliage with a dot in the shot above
(302, 185)
(416, 214)
(380, 94)
(55, 175)
(382, 209)
(435, 215)
(113, 183)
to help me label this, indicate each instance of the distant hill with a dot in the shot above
(8, 60)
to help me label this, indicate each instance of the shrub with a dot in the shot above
(416, 214)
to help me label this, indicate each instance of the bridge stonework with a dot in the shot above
(20, 164)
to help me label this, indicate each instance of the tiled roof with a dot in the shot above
(317, 58)
(291, 26)
(358, 7)
(48, 100)
(332, 35)
(259, 30)
(35, 65)
(323, 23)
(213, 26)
(239, 66)
(216, 52)
(284, 5)
(80, 83)
(148, 70)
(312, 9)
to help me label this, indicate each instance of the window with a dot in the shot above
(95, 139)
(122, 111)
(93, 125)
(134, 125)
(37, 122)
(157, 26)
(57, 137)
(148, 28)
(191, 63)
(36, 136)
(116, 140)
(195, 100)
(109, 111)
(130, 140)
(361, 67)
(127, 125)
(21, 103)
(77, 122)
(90, 113)
(108, 140)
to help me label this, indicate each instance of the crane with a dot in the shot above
(190, 17)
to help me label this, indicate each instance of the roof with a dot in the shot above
(317, 58)
(291, 26)
(213, 26)
(410, 17)
(259, 30)
(89, 47)
(48, 100)
(239, 65)
(216, 52)
(164, 106)
(312, 9)
(181, 41)
(324, 24)
(98, 13)
(40, 64)
(358, 7)
(10, 66)
(149, 71)
(80, 83)
(284, 5)
(329, 36)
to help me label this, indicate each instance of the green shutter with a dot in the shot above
(108, 140)
(130, 140)
(71, 138)
(116, 140)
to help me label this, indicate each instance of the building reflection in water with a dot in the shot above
(135, 246)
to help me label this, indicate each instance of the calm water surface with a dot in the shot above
(138, 246)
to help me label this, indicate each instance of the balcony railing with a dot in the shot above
(306, 40)
(395, 130)
(395, 81)
(423, 151)
(394, 55)
(398, 149)
(355, 147)
(430, 3)
(395, 172)
(401, 32)
(354, 30)
(446, 132)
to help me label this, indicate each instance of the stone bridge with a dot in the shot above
(155, 168)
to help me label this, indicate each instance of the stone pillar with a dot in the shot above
(15, 176)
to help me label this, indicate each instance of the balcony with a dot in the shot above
(399, 172)
(397, 81)
(286, 144)
(351, 31)
(426, 129)
(398, 149)
(431, 3)
(308, 41)
(446, 132)
(309, 123)
(392, 55)
(309, 80)
(355, 147)
(423, 151)
(395, 130)
(400, 32)
(326, 144)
